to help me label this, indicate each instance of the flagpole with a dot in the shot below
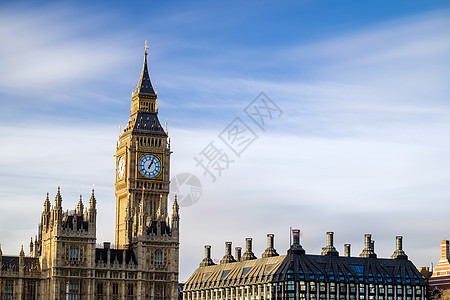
(290, 236)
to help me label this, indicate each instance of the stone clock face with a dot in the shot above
(149, 166)
(121, 167)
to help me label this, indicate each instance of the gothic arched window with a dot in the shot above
(158, 258)
(74, 253)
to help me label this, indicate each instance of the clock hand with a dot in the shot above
(151, 163)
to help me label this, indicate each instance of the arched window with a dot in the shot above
(74, 254)
(158, 258)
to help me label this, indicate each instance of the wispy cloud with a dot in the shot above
(363, 138)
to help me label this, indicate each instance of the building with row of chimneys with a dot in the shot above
(64, 262)
(298, 275)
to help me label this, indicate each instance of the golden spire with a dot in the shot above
(145, 48)
(144, 87)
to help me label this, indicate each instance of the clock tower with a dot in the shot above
(142, 170)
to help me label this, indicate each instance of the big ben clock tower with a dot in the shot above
(142, 188)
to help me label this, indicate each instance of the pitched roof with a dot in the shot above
(145, 87)
(306, 267)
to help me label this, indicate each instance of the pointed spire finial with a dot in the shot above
(144, 87)
(58, 198)
(80, 206)
(92, 201)
(145, 48)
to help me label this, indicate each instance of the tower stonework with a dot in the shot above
(64, 261)
(142, 165)
(142, 189)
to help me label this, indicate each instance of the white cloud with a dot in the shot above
(362, 145)
(49, 50)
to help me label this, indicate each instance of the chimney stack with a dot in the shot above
(399, 253)
(369, 245)
(296, 248)
(238, 253)
(248, 255)
(347, 250)
(207, 261)
(227, 258)
(445, 249)
(330, 249)
(270, 251)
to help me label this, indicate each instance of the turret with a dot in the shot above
(142, 215)
(80, 206)
(21, 256)
(92, 212)
(92, 201)
(46, 213)
(57, 209)
(47, 205)
(129, 222)
(58, 199)
(31, 247)
(270, 251)
(175, 214)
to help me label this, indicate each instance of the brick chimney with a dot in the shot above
(445, 247)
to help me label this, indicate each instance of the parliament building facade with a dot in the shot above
(301, 276)
(64, 262)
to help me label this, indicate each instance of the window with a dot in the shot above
(418, 290)
(130, 292)
(342, 291)
(99, 290)
(371, 289)
(9, 290)
(72, 290)
(362, 291)
(73, 254)
(30, 290)
(322, 287)
(390, 290)
(115, 291)
(290, 286)
(245, 271)
(158, 258)
(409, 290)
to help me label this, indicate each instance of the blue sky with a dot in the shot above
(362, 145)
